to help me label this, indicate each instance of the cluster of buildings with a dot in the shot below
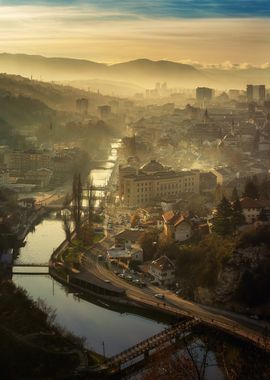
(26, 170)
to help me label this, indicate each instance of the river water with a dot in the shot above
(97, 324)
(103, 328)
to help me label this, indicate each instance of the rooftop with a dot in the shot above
(163, 263)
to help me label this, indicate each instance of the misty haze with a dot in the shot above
(134, 190)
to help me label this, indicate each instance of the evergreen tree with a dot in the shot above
(251, 190)
(222, 221)
(263, 217)
(238, 218)
(234, 196)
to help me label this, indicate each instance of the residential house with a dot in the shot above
(253, 207)
(163, 271)
(177, 226)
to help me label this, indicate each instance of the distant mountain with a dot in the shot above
(142, 72)
(107, 87)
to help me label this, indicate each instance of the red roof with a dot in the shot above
(247, 202)
(170, 217)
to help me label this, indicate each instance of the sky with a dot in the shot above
(206, 31)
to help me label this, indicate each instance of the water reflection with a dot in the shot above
(96, 324)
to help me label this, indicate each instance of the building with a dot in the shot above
(256, 93)
(163, 271)
(105, 111)
(82, 106)
(126, 247)
(19, 162)
(252, 208)
(40, 177)
(204, 94)
(177, 226)
(125, 170)
(127, 238)
(135, 253)
(154, 181)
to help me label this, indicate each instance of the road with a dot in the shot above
(237, 324)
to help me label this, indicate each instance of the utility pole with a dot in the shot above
(103, 348)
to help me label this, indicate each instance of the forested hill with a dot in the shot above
(25, 102)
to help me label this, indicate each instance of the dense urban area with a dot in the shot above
(153, 206)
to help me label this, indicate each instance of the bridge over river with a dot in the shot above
(30, 269)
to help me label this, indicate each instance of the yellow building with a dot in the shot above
(154, 182)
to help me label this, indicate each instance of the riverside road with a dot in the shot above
(236, 324)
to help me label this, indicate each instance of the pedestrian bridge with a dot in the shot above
(144, 348)
(30, 269)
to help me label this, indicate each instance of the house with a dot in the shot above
(163, 271)
(177, 226)
(135, 253)
(28, 203)
(253, 207)
(126, 238)
(126, 247)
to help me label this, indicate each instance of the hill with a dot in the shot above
(143, 72)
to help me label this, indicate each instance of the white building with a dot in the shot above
(177, 226)
(253, 207)
(135, 253)
(163, 271)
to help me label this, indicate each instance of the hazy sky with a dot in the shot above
(209, 31)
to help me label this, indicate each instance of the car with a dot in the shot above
(178, 292)
(142, 284)
(121, 275)
(107, 281)
(254, 317)
(129, 278)
(100, 257)
(160, 296)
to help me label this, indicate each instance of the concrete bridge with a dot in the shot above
(21, 269)
(144, 348)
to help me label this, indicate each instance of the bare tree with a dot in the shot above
(67, 225)
(77, 197)
(90, 200)
(171, 364)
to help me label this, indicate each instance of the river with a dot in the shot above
(117, 330)
(103, 328)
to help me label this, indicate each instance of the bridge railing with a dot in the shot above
(152, 342)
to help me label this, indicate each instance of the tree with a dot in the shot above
(234, 195)
(90, 201)
(238, 218)
(251, 189)
(67, 225)
(77, 197)
(263, 217)
(135, 219)
(222, 221)
(148, 243)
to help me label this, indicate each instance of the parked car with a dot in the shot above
(160, 296)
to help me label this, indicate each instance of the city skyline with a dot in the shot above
(106, 31)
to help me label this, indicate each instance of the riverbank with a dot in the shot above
(31, 345)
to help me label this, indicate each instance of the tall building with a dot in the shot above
(204, 94)
(256, 93)
(82, 106)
